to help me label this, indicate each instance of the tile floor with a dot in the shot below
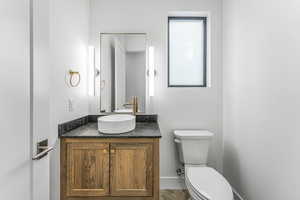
(174, 195)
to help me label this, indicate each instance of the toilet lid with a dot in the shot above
(209, 183)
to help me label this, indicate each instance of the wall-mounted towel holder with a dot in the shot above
(73, 74)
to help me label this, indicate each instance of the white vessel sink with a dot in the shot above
(116, 124)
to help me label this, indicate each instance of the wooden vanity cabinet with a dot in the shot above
(87, 169)
(108, 169)
(131, 169)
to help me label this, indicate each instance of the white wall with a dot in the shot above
(107, 68)
(136, 77)
(15, 148)
(120, 74)
(69, 32)
(262, 98)
(178, 108)
(135, 43)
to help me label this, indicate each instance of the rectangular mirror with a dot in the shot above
(123, 58)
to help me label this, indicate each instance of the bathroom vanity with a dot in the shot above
(124, 162)
(100, 166)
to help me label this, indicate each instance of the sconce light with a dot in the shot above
(92, 71)
(151, 71)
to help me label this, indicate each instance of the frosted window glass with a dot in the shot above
(187, 46)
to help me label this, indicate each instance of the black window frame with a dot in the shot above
(204, 19)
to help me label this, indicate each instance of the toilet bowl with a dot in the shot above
(205, 183)
(202, 182)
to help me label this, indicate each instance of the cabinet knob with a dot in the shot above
(112, 151)
(104, 150)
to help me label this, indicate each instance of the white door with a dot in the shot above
(24, 106)
(40, 97)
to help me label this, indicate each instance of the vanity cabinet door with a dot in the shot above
(87, 169)
(131, 169)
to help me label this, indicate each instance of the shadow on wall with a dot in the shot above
(231, 156)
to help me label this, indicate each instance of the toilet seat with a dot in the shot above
(205, 183)
(195, 194)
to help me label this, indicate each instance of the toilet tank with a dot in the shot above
(193, 145)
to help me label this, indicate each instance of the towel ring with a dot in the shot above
(72, 74)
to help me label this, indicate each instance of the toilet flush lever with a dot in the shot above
(177, 140)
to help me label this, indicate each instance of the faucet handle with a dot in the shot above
(128, 104)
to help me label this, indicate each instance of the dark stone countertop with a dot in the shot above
(90, 130)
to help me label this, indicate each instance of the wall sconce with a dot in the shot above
(151, 71)
(92, 70)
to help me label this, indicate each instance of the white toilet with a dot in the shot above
(202, 182)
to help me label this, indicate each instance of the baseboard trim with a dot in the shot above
(171, 183)
(237, 196)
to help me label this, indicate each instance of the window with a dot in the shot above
(187, 51)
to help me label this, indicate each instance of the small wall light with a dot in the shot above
(151, 71)
(92, 71)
